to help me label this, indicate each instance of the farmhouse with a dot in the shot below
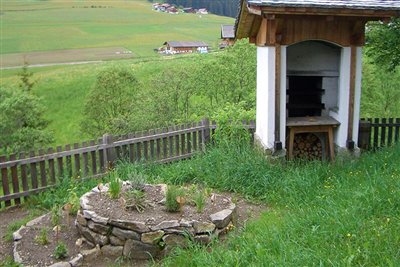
(182, 47)
(227, 36)
(309, 70)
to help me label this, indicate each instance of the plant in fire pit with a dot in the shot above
(199, 200)
(137, 180)
(173, 195)
(115, 186)
(136, 200)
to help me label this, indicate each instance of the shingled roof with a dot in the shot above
(186, 43)
(353, 4)
(250, 10)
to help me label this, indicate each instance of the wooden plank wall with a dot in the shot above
(23, 175)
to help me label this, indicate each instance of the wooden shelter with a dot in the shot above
(309, 67)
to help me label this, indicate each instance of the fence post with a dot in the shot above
(205, 137)
(109, 153)
(364, 134)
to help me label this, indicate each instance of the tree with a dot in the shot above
(111, 101)
(22, 125)
(383, 43)
(26, 82)
(381, 93)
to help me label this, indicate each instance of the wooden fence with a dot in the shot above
(378, 132)
(29, 173)
(26, 174)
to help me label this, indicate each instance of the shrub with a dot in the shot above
(137, 180)
(42, 239)
(61, 251)
(56, 214)
(171, 203)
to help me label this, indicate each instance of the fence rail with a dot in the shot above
(375, 133)
(26, 174)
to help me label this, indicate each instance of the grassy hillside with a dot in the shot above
(53, 25)
(63, 90)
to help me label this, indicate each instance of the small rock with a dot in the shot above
(16, 235)
(84, 201)
(165, 225)
(100, 219)
(116, 241)
(185, 223)
(203, 227)
(77, 261)
(203, 239)
(80, 219)
(152, 237)
(88, 214)
(139, 227)
(138, 250)
(61, 264)
(150, 220)
(91, 254)
(112, 251)
(98, 228)
(180, 230)
(79, 242)
(125, 234)
(176, 241)
(222, 218)
(35, 221)
(17, 257)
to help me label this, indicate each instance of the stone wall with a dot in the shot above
(137, 240)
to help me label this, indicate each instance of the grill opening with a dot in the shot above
(305, 96)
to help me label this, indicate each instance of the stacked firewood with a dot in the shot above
(307, 146)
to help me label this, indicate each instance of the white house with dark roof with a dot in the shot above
(184, 47)
(309, 67)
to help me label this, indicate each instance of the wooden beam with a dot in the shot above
(353, 68)
(261, 38)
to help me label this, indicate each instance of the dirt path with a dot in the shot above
(7, 217)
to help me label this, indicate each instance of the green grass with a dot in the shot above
(56, 25)
(340, 214)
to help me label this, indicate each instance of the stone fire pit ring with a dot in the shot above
(146, 239)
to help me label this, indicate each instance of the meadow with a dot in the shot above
(29, 26)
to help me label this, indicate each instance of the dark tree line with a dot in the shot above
(227, 8)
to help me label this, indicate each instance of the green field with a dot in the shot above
(49, 28)
(28, 26)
